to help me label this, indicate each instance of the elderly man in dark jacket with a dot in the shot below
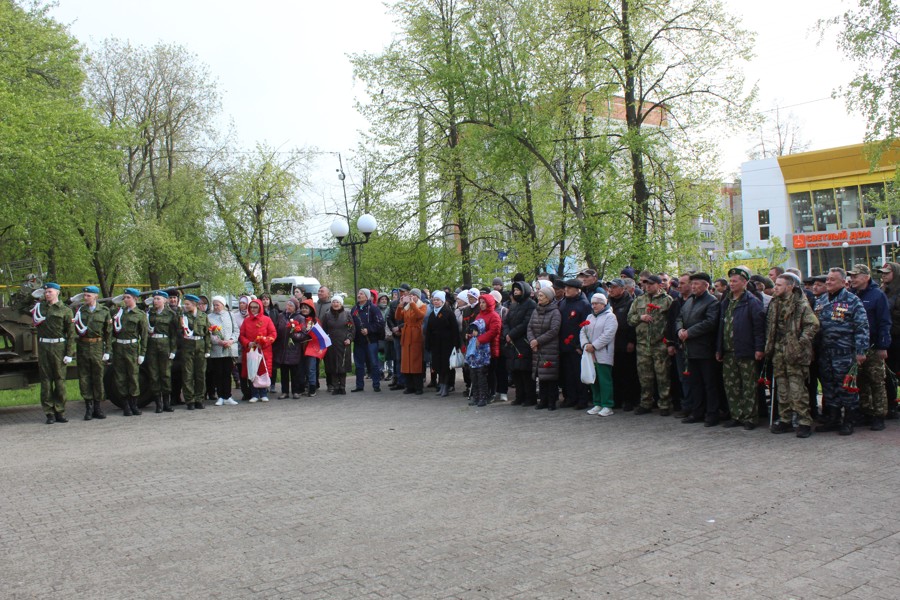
(741, 343)
(624, 371)
(573, 309)
(697, 327)
(872, 397)
(514, 341)
(890, 285)
(369, 324)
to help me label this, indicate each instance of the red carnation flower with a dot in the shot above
(547, 364)
(584, 323)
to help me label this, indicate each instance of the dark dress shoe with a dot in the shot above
(877, 424)
(199, 405)
(731, 423)
(804, 431)
(748, 426)
(781, 427)
(640, 410)
(711, 423)
(691, 419)
(190, 406)
(356, 390)
(665, 412)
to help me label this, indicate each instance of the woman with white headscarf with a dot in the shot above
(441, 336)
(224, 335)
(338, 324)
(598, 338)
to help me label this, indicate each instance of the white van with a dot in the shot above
(283, 288)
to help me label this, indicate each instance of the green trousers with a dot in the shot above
(159, 367)
(193, 372)
(52, 373)
(127, 370)
(602, 388)
(90, 370)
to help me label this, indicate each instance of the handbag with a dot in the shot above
(262, 380)
(457, 359)
(588, 372)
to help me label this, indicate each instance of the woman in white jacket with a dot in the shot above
(598, 337)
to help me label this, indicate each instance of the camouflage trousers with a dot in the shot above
(193, 372)
(90, 370)
(126, 369)
(739, 376)
(653, 370)
(791, 390)
(52, 373)
(870, 379)
(832, 369)
(159, 367)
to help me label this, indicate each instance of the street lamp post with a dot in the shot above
(340, 229)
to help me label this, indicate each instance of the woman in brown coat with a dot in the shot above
(338, 324)
(411, 310)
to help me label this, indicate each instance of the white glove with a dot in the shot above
(67, 360)
(172, 356)
(105, 357)
(140, 360)
(206, 355)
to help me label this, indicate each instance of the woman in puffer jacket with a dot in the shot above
(543, 339)
(598, 337)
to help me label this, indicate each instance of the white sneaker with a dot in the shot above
(231, 401)
(220, 401)
(253, 399)
(594, 410)
(504, 398)
(264, 399)
(606, 412)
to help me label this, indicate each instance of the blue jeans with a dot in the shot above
(399, 379)
(365, 357)
(309, 370)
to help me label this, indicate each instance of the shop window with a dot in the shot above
(848, 203)
(872, 194)
(801, 210)
(826, 212)
(764, 217)
(764, 233)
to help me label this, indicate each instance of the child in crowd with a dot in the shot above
(478, 357)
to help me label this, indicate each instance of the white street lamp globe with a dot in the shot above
(366, 224)
(339, 228)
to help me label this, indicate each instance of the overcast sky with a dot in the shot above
(285, 78)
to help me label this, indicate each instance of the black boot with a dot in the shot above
(159, 403)
(88, 410)
(98, 414)
(831, 419)
(877, 424)
(126, 408)
(846, 427)
(433, 382)
(50, 420)
(60, 417)
(134, 407)
(199, 405)
(167, 403)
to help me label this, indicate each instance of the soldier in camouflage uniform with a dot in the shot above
(163, 326)
(792, 327)
(872, 396)
(93, 324)
(130, 331)
(649, 316)
(741, 343)
(56, 344)
(844, 341)
(195, 350)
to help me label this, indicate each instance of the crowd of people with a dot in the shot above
(705, 351)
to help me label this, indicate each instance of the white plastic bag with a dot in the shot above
(254, 358)
(457, 359)
(588, 372)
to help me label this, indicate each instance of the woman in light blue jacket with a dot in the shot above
(598, 337)
(224, 349)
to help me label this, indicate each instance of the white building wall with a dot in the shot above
(763, 188)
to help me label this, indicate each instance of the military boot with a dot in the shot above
(167, 403)
(98, 414)
(126, 408)
(60, 417)
(50, 420)
(846, 427)
(199, 405)
(831, 419)
(88, 410)
(159, 403)
(134, 406)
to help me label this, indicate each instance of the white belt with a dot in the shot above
(52, 340)
(195, 338)
(118, 341)
(159, 335)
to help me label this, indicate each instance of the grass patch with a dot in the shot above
(32, 395)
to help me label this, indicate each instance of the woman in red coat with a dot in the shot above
(257, 333)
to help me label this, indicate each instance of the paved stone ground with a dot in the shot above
(393, 496)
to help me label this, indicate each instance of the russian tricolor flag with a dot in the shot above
(318, 343)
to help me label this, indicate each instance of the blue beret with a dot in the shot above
(91, 289)
(52, 286)
(133, 292)
(192, 298)
(161, 293)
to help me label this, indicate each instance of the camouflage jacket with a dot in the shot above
(845, 327)
(651, 333)
(789, 314)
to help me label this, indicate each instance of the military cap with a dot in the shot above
(815, 279)
(617, 282)
(739, 271)
(192, 298)
(572, 283)
(587, 273)
(133, 292)
(767, 283)
(405, 287)
(701, 276)
(886, 268)
(654, 279)
(859, 270)
(161, 293)
(52, 286)
(91, 289)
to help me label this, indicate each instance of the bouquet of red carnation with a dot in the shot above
(584, 323)
(294, 326)
(849, 383)
(547, 364)
(651, 307)
(568, 339)
(763, 380)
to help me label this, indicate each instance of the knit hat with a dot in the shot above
(497, 296)
(365, 292)
(293, 301)
(598, 297)
(439, 295)
(548, 292)
(338, 299)
(221, 300)
(497, 281)
(416, 292)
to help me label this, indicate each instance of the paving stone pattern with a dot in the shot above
(392, 496)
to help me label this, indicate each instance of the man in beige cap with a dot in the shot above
(872, 397)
